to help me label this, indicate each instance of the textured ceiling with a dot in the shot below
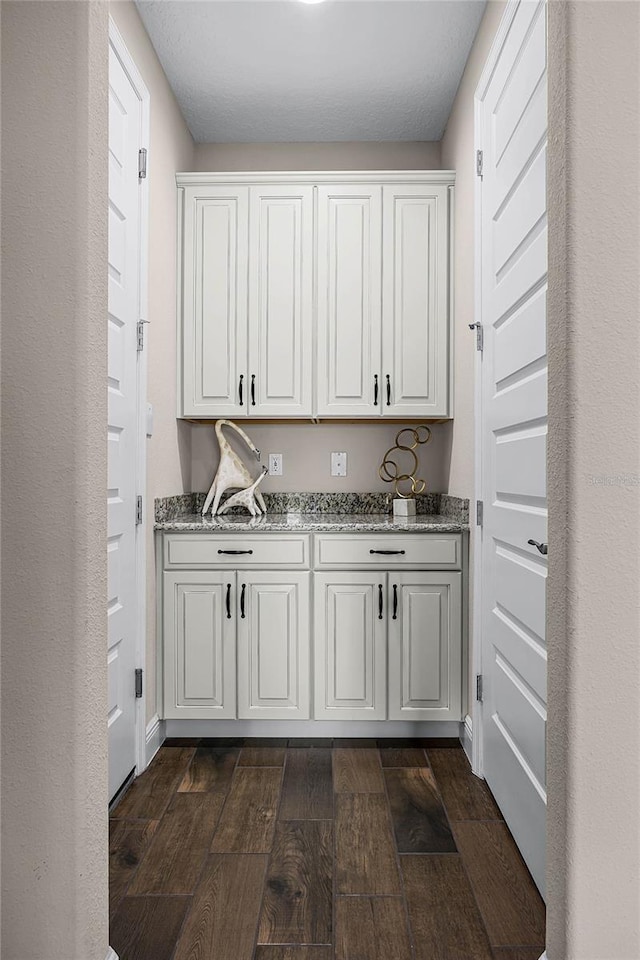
(279, 70)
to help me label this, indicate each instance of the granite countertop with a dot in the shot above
(314, 523)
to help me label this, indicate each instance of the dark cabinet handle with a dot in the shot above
(242, 592)
(228, 601)
(235, 553)
(240, 389)
(385, 553)
(395, 601)
(543, 548)
(375, 390)
(388, 390)
(379, 601)
(253, 389)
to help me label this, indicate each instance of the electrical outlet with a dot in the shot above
(275, 464)
(338, 464)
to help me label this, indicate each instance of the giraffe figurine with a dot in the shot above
(245, 498)
(231, 472)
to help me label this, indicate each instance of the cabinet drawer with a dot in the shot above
(389, 552)
(235, 551)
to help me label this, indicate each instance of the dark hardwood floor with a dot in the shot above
(317, 850)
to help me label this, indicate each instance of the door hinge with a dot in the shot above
(140, 335)
(142, 163)
(138, 509)
(138, 683)
(479, 513)
(479, 335)
(479, 163)
(479, 687)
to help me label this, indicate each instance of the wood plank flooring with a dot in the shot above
(317, 850)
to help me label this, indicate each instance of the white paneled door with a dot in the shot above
(512, 134)
(126, 128)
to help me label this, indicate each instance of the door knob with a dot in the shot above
(543, 548)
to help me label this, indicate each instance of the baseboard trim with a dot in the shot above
(313, 728)
(154, 738)
(466, 737)
(111, 954)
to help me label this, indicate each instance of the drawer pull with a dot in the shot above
(375, 389)
(244, 587)
(379, 601)
(228, 601)
(395, 601)
(387, 553)
(253, 389)
(235, 553)
(388, 390)
(240, 389)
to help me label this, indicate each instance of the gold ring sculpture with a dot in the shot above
(389, 471)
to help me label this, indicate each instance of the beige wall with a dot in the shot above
(593, 609)
(458, 153)
(307, 448)
(364, 155)
(54, 331)
(170, 149)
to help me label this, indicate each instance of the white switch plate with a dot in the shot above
(149, 419)
(275, 464)
(338, 464)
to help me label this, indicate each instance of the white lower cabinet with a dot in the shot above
(199, 645)
(350, 646)
(273, 645)
(425, 650)
(237, 643)
(388, 646)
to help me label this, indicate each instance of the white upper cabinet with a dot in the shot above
(315, 295)
(280, 301)
(214, 301)
(415, 300)
(349, 262)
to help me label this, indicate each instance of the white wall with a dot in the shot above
(363, 155)
(593, 614)
(170, 149)
(54, 409)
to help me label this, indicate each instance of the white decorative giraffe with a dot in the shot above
(245, 498)
(231, 472)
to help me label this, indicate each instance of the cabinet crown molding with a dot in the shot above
(317, 177)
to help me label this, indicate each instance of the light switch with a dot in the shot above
(149, 419)
(275, 464)
(338, 464)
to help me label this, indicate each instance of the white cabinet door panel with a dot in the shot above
(281, 301)
(349, 257)
(214, 297)
(425, 646)
(415, 302)
(199, 645)
(273, 645)
(350, 646)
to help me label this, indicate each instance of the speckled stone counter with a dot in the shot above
(314, 523)
(318, 512)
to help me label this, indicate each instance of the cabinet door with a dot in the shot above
(214, 301)
(349, 300)
(281, 301)
(199, 645)
(425, 646)
(415, 301)
(273, 645)
(350, 646)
